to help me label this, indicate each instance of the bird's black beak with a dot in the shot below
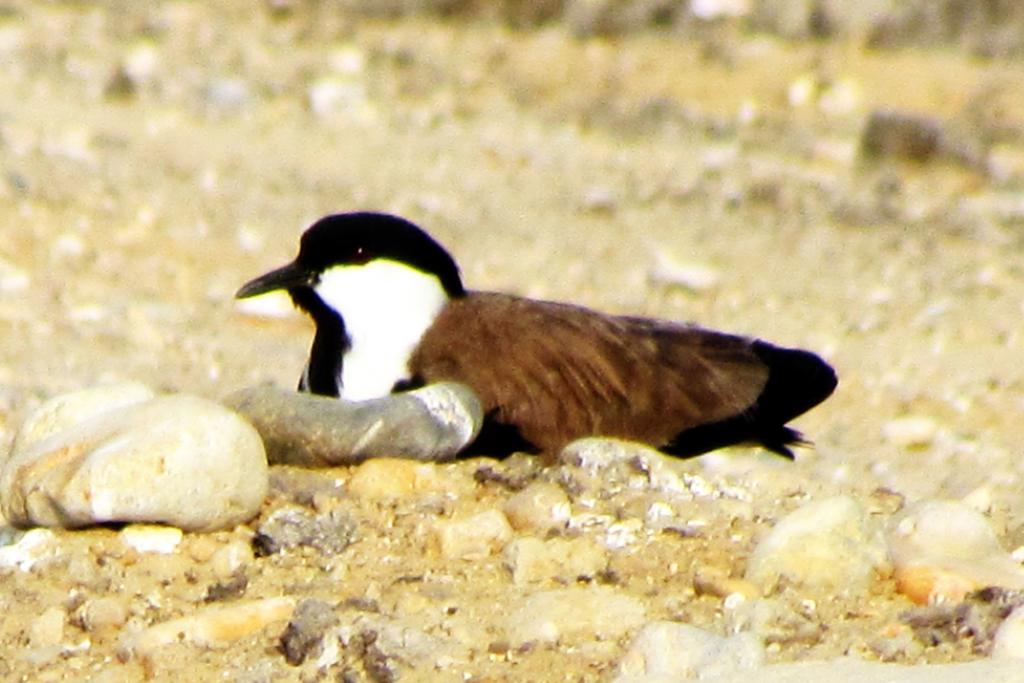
(285, 277)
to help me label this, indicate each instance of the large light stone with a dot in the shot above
(829, 543)
(175, 459)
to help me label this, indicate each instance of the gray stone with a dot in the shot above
(433, 423)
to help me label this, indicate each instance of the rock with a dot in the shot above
(306, 629)
(1009, 638)
(474, 537)
(35, 546)
(541, 507)
(944, 550)
(47, 630)
(227, 560)
(532, 560)
(332, 96)
(386, 479)
(899, 134)
(574, 614)
(829, 544)
(175, 459)
(978, 617)
(230, 589)
(670, 651)
(148, 538)
(67, 410)
(600, 467)
(431, 424)
(13, 278)
(773, 621)
(695, 277)
(227, 95)
(292, 526)
(212, 626)
(599, 200)
(912, 431)
(102, 615)
(713, 581)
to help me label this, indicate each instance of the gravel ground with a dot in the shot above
(155, 156)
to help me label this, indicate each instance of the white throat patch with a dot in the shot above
(387, 306)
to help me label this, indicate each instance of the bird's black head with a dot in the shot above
(354, 239)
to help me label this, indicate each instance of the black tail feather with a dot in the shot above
(797, 381)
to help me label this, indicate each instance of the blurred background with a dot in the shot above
(845, 177)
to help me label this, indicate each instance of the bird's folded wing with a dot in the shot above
(559, 372)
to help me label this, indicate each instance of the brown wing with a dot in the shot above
(559, 372)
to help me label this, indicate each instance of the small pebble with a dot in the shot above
(713, 581)
(292, 526)
(473, 538)
(270, 305)
(227, 560)
(176, 459)
(13, 278)
(830, 544)
(532, 560)
(599, 200)
(898, 134)
(103, 614)
(695, 277)
(384, 479)
(541, 507)
(574, 614)
(311, 620)
(912, 431)
(47, 630)
(331, 96)
(213, 626)
(944, 550)
(670, 651)
(150, 538)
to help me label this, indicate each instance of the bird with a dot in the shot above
(391, 314)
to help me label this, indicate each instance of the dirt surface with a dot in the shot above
(157, 155)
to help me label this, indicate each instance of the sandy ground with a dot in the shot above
(155, 157)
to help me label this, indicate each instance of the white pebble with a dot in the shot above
(34, 546)
(150, 538)
(696, 277)
(13, 278)
(912, 431)
(829, 543)
(270, 305)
